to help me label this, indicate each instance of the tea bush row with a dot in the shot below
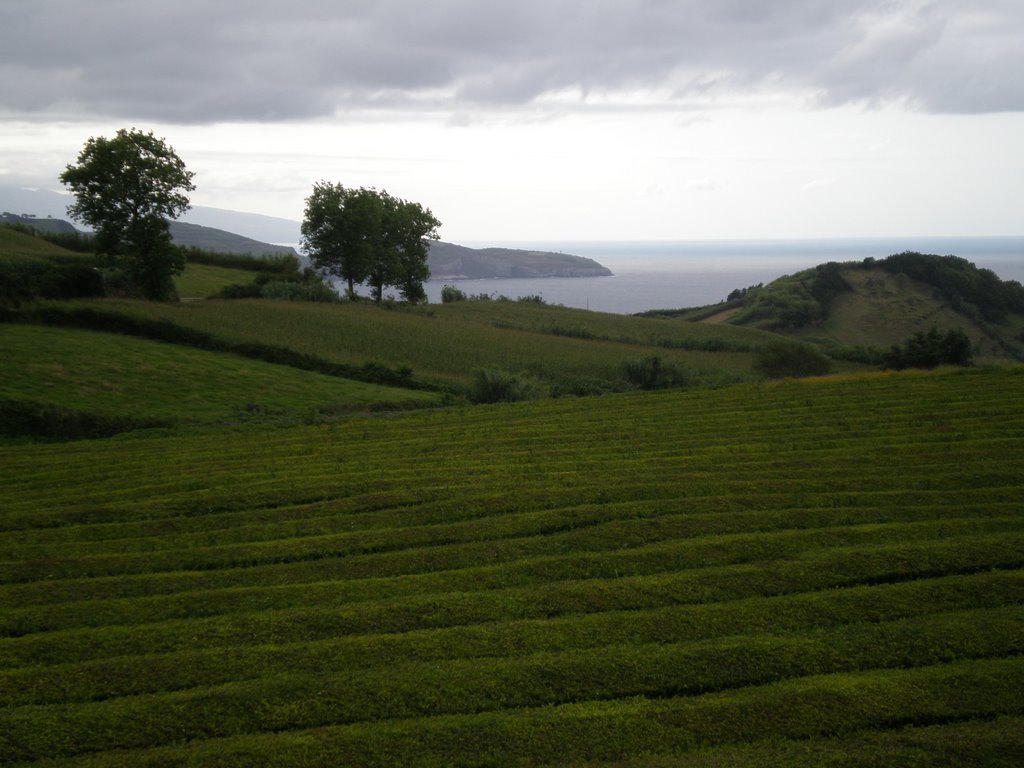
(797, 613)
(831, 705)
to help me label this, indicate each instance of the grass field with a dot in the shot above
(801, 573)
(571, 351)
(115, 375)
(19, 246)
(201, 280)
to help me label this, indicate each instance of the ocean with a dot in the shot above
(672, 274)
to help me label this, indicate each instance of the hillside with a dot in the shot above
(49, 225)
(182, 233)
(452, 262)
(875, 303)
(219, 241)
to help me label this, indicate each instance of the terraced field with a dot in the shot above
(806, 573)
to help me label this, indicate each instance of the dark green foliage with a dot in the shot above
(126, 188)
(282, 265)
(782, 359)
(827, 283)
(364, 235)
(495, 386)
(738, 294)
(151, 260)
(976, 292)
(450, 294)
(292, 290)
(252, 290)
(652, 372)
(532, 298)
(930, 350)
(792, 302)
(19, 418)
(48, 279)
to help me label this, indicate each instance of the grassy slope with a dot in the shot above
(793, 570)
(16, 245)
(200, 280)
(885, 309)
(447, 344)
(880, 309)
(197, 280)
(118, 375)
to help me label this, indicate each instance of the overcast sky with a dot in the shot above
(548, 119)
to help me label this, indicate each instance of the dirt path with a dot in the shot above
(722, 316)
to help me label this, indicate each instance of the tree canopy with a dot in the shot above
(126, 188)
(368, 236)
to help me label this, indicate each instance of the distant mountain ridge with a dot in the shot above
(45, 203)
(220, 241)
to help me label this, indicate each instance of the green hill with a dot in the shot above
(247, 551)
(878, 303)
(219, 241)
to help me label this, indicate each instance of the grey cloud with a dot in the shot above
(203, 60)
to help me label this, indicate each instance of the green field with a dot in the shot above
(571, 351)
(801, 573)
(201, 280)
(111, 375)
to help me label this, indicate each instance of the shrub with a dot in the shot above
(294, 291)
(450, 294)
(653, 373)
(494, 386)
(782, 359)
(282, 264)
(929, 350)
(239, 291)
(23, 281)
(533, 298)
(49, 422)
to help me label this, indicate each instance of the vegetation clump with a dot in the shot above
(651, 372)
(791, 302)
(496, 386)
(450, 294)
(930, 350)
(52, 278)
(788, 359)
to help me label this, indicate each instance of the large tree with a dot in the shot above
(368, 236)
(126, 188)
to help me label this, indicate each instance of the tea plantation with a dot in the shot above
(826, 571)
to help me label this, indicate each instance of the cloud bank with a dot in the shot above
(205, 61)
